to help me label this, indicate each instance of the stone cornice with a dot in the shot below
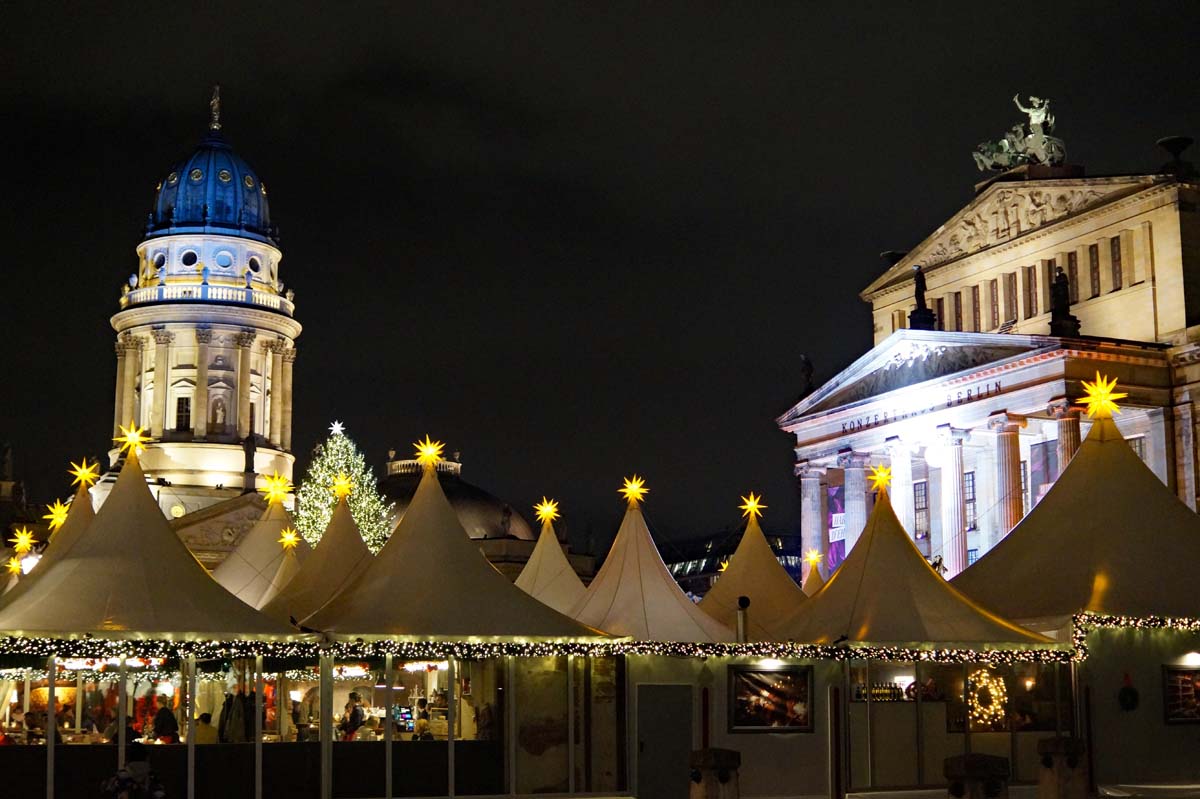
(211, 314)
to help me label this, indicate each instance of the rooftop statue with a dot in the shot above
(1017, 147)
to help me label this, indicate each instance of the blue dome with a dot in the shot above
(213, 191)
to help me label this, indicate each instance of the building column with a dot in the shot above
(954, 502)
(1185, 450)
(1067, 417)
(162, 381)
(814, 532)
(854, 465)
(133, 367)
(276, 349)
(200, 400)
(1010, 505)
(285, 423)
(901, 492)
(244, 341)
(119, 399)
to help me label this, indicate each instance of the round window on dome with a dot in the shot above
(196, 175)
(255, 265)
(189, 258)
(173, 178)
(248, 181)
(224, 259)
(160, 260)
(224, 176)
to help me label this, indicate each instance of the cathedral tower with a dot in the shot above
(206, 334)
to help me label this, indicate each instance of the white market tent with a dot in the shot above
(1108, 537)
(813, 581)
(128, 575)
(754, 572)
(548, 576)
(260, 567)
(634, 594)
(885, 593)
(430, 580)
(79, 516)
(339, 558)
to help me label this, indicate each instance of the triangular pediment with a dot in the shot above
(909, 357)
(1005, 211)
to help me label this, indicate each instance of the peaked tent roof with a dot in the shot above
(337, 561)
(548, 576)
(813, 581)
(128, 574)
(753, 571)
(260, 566)
(634, 594)
(431, 580)
(79, 516)
(885, 593)
(1098, 541)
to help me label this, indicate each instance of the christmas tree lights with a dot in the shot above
(314, 502)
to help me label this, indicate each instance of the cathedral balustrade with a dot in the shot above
(209, 293)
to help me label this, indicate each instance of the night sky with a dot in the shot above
(571, 240)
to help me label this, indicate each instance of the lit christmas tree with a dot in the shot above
(315, 500)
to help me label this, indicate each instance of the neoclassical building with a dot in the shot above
(976, 417)
(206, 335)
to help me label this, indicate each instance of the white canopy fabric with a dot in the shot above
(548, 576)
(885, 593)
(339, 558)
(753, 571)
(260, 567)
(79, 516)
(1107, 537)
(813, 581)
(128, 575)
(633, 594)
(431, 581)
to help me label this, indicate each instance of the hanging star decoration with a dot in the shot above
(546, 510)
(1099, 399)
(813, 557)
(57, 514)
(752, 506)
(342, 486)
(634, 490)
(337, 428)
(429, 452)
(132, 439)
(85, 473)
(881, 478)
(276, 488)
(22, 541)
(289, 538)
(14, 565)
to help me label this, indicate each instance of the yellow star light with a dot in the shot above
(84, 473)
(547, 510)
(342, 486)
(634, 490)
(1100, 398)
(429, 452)
(57, 514)
(276, 488)
(813, 557)
(881, 477)
(14, 565)
(753, 505)
(23, 540)
(289, 538)
(132, 439)
(724, 565)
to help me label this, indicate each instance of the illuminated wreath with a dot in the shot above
(987, 698)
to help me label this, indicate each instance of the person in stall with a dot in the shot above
(165, 726)
(353, 719)
(206, 733)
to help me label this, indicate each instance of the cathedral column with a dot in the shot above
(954, 501)
(814, 532)
(133, 367)
(276, 350)
(200, 401)
(1068, 431)
(119, 400)
(285, 425)
(1010, 504)
(854, 466)
(1185, 450)
(162, 380)
(244, 341)
(901, 491)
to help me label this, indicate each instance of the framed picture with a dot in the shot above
(770, 699)
(1181, 695)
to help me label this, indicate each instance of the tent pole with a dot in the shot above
(920, 726)
(258, 726)
(122, 712)
(326, 726)
(451, 719)
(191, 727)
(510, 722)
(966, 709)
(570, 724)
(25, 700)
(51, 725)
(870, 731)
(79, 699)
(387, 726)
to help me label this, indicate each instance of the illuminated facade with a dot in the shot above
(976, 416)
(206, 335)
